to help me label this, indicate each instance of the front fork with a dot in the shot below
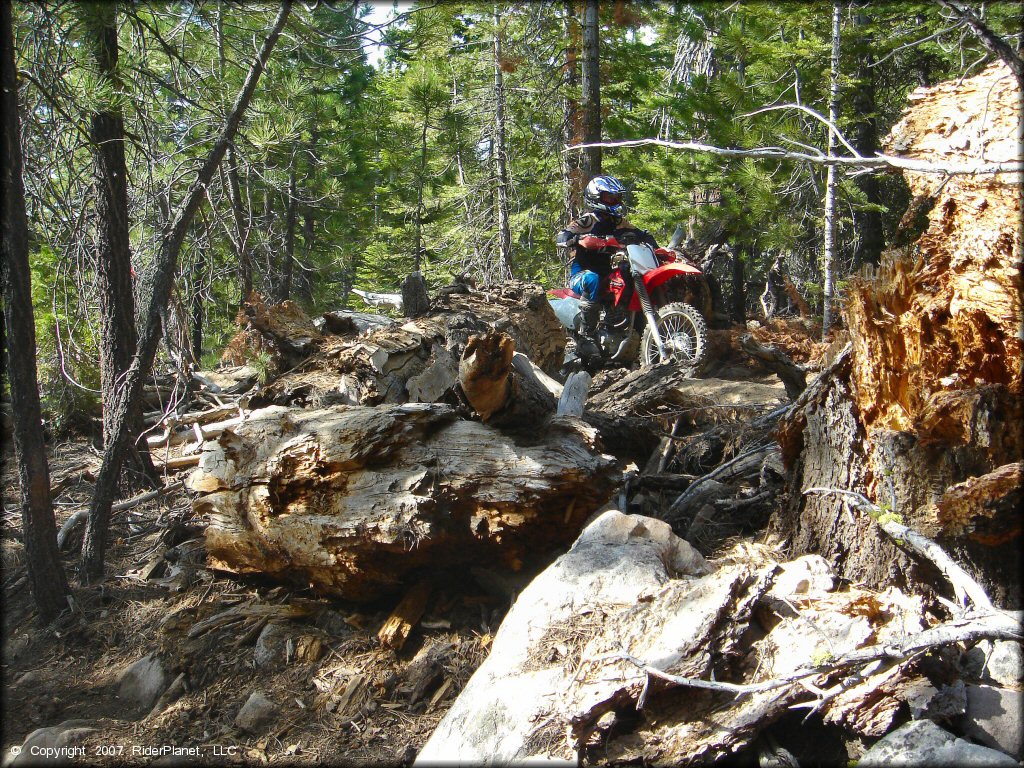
(652, 319)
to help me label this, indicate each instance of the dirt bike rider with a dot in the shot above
(590, 268)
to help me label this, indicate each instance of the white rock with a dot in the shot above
(1005, 664)
(257, 713)
(922, 742)
(995, 718)
(616, 560)
(142, 682)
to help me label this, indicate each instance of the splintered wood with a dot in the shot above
(924, 418)
(945, 314)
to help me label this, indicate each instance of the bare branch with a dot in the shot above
(992, 626)
(821, 118)
(989, 39)
(963, 584)
(876, 163)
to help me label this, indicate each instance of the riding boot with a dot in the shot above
(586, 336)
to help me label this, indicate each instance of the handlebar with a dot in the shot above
(591, 242)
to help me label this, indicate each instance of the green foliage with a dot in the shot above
(381, 153)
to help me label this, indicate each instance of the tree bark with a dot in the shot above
(94, 545)
(830, 182)
(572, 183)
(420, 183)
(234, 188)
(285, 291)
(870, 234)
(739, 296)
(591, 90)
(501, 158)
(46, 576)
(118, 334)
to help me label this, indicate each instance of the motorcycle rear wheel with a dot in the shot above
(683, 332)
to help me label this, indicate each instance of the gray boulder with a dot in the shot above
(993, 717)
(36, 750)
(922, 742)
(271, 646)
(142, 682)
(256, 714)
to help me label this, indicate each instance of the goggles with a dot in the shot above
(610, 198)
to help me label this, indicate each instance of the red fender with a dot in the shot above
(658, 277)
(563, 293)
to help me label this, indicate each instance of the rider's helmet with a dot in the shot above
(604, 193)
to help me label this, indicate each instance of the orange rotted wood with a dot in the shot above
(945, 313)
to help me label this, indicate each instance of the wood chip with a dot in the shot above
(397, 627)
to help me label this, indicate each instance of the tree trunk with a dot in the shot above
(572, 180)
(739, 296)
(234, 189)
(591, 90)
(127, 397)
(118, 334)
(870, 234)
(830, 182)
(501, 156)
(197, 311)
(241, 239)
(285, 290)
(420, 183)
(46, 575)
(923, 415)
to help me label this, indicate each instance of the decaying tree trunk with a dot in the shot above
(349, 499)
(930, 395)
(417, 361)
(415, 301)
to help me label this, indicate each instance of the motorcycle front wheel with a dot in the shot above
(683, 332)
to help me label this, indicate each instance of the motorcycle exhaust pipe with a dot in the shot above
(652, 319)
(617, 357)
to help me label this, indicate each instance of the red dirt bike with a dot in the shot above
(659, 291)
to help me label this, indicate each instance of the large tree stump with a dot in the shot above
(931, 394)
(349, 499)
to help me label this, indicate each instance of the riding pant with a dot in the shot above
(586, 284)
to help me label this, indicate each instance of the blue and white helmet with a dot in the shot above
(604, 193)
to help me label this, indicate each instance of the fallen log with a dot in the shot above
(79, 517)
(349, 499)
(574, 396)
(793, 377)
(345, 321)
(177, 462)
(418, 360)
(375, 299)
(188, 419)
